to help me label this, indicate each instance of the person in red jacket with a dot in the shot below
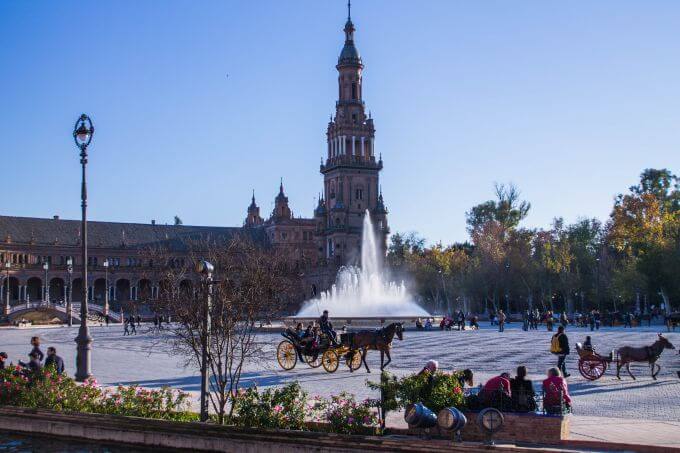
(554, 387)
(497, 393)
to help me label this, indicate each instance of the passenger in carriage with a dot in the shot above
(588, 344)
(298, 330)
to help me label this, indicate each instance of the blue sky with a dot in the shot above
(197, 103)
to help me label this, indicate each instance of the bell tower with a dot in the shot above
(351, 170)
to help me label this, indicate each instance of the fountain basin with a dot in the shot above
(363, 322)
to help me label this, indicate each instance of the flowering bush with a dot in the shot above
(435, 390)
(134, 401)
(347, 416)
(48, 390)
(274, 408)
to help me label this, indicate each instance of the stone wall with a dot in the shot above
(166, 435)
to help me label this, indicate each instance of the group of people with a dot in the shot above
(314, 330)
(518, 393)
(36, 357)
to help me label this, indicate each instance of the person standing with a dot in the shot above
(564, 320)
(559, 345)
(133, 329)
(549, 320)
(54, 360)
(501, 321)
(107, 319)
(139, 321)
(126, 326)
(598, 319)
(3, 358)
(525, 321)
(35, 342)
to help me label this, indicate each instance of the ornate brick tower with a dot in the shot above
(253, 219)
(351, 171)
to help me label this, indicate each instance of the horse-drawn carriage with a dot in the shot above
(317, 351)
(592, 365)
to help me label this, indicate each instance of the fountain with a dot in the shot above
(361, 292)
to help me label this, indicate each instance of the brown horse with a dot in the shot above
(649, 354)
(380, 340)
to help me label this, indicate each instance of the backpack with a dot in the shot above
(555, 347)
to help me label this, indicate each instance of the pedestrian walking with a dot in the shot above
(107, 319)
(559, 345)
(133, 329)
(525, 320)
(501, 321)
(35, 342)
(549, 320)
(598, 319)
(54, 360)
(126, 326)
(139, 321)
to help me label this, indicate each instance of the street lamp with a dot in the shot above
(82, 135)
(69, 292)
(106, 283)
(206, 269)
(46, 286)
(8, 266)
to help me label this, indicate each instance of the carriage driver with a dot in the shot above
(327, 327)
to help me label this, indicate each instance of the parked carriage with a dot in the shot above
(317, 351)
(592, 365)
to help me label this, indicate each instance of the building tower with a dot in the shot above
(281, 208)
(351, 171)
(253, 219)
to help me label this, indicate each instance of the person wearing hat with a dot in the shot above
(326, 327)
(3, 358)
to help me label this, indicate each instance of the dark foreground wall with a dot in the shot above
(167, 436)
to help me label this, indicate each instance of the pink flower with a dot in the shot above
(278, 408)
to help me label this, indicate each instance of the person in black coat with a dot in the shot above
(563, 352)
(54, 360)
(34, 364)
(3, 358)
(35, 342)
(522, 391)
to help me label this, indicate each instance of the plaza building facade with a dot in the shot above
(35, 252)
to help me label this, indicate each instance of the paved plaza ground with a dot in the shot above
(144, 359)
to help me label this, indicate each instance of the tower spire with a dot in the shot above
(349, 10)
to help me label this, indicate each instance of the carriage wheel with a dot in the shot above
(330, 361)
(286, 355)
(354, 363)
(313, 359)
(592, 368)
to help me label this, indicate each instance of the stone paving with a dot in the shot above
(144, 359)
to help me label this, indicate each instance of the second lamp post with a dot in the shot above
(82, 134)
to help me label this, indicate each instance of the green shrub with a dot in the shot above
(282, 408)
(345, 415)
(435, 390)
(48, 390)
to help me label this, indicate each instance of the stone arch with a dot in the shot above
(77, 290)
(144, 290)
(164, 289)
(100, 291)
(57, 289)
(123, 289)
(13, 288)
(34, 289)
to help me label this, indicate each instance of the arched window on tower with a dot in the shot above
(354, 91)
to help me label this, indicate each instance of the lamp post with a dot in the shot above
(206, 269)
(8, 266)
(46, 286)
(82, 135)
(106, 283)
(69, 292)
